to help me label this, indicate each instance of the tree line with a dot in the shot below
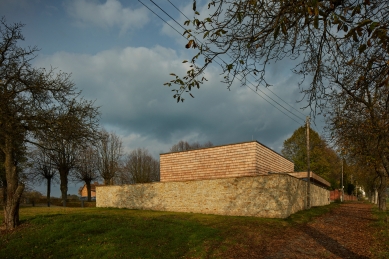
(101, 160)
(325, 161)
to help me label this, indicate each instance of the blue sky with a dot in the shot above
(120, 54)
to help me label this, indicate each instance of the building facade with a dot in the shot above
(233, 160)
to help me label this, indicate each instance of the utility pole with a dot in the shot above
(309, 169)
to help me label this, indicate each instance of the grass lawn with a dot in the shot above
(58, 232)
(381, 249)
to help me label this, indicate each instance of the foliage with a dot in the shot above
(32, 196)
(350, 188)
(322, 37)
(360, 129)
(139, 167)
(323, 160)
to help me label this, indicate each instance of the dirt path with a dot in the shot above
(343, 233)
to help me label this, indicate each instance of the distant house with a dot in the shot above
(83, 192)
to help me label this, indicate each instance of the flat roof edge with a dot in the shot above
(238, 143)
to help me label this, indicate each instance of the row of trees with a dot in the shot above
(184, 146)
(102, 160)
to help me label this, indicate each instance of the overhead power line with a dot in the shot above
(226, 63)
(250, 82)
(159, 17)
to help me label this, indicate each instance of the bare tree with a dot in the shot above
(184, 146)
(42, 170)
(86, 170)
(110, 152)
(74, 126)
(140, 167)
(180, 146)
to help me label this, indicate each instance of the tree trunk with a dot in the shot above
(63, 174)
(108, 181)
(4, 190)
(13, 190)
(48, 191)
(88, 189)
(382, 193)
(375, 196)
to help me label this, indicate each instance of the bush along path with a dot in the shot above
(345, 232)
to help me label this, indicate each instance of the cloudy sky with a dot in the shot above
(120, 54)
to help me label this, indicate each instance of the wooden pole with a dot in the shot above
(308, 169)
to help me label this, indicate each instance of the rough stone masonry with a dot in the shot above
(271, 196)
(228, 180)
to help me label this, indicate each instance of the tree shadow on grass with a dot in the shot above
(331, 244)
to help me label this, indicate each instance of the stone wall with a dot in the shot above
(272, 196)
(234, 160)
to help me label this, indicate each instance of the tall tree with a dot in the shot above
(323, 160)
(87, 167)
(30, 99)
(140, 167)
(110, 152)
(361, 130)
(42, 170)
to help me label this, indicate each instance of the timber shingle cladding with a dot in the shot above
(234, 160)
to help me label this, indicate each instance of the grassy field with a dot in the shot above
(58, 232)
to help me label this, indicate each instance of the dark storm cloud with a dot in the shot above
(128, 85)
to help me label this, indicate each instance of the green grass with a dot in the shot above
(381, 247)
(58, 232)
(305, 216)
